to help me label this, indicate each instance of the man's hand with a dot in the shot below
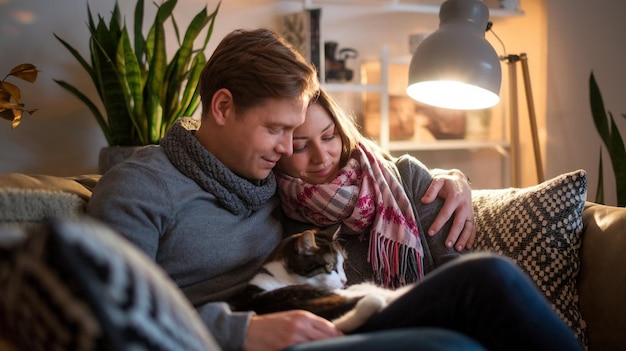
(276, 331)
(454, 188)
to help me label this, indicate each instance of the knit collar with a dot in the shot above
(236, 194)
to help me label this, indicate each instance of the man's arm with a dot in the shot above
(127, 200)
(268, 332)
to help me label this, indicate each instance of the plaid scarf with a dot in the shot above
(364, 195)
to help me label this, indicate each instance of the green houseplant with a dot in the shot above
(142, 92)
(11, 106)
(613, 142)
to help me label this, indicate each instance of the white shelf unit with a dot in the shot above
(501, 146)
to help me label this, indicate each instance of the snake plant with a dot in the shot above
(613, 142)
(143, 93)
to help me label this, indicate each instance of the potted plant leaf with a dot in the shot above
(142, 91)
(610, 135)
(11, 106)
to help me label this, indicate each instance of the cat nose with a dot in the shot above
(344, 281)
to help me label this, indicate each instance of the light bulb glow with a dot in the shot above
(452, 95)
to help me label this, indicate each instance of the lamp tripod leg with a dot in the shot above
(533, 118)
(514, 125)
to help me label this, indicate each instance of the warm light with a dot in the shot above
(453, 95)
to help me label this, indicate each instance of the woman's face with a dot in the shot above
(316, 149)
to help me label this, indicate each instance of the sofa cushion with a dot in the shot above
(33, 198)
(539, 227)
(77, 285)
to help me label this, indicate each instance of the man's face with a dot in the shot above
(255, 140)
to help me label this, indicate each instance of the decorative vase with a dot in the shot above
(112, 155)
(335, 62)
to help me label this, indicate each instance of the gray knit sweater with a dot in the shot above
(209, 229)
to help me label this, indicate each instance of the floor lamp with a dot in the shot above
(516, 162)
(456, 67)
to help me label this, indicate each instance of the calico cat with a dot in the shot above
(307, 272)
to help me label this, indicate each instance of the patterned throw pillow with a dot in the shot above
(540, 228)
(77, 285)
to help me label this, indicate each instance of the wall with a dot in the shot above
(564, 39)
(584, 37)
(63, 138)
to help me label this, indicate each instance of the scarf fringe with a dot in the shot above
(394, 264)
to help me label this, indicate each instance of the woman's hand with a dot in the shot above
(454, 188)
(276, 331)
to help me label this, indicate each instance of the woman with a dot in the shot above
(337, 176)
(329, 152)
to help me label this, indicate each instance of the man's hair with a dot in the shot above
(256, 65)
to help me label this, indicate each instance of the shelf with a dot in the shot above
(411, 145)
(354, 88)
(397, 6)
(400, 60)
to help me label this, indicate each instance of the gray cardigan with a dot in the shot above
(415, 179)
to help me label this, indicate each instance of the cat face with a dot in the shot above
(317, 258)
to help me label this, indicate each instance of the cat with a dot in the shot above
(307, 272)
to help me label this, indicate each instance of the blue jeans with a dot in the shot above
(485, 297)
(422, 339)
(478, 300)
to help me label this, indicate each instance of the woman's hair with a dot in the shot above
(256, 65)
(346, 127)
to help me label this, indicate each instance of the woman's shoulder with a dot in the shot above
(409, 164)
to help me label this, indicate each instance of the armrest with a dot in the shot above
(32, 198)
(79, 185)
(602, 280)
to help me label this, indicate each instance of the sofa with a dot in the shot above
(572, 248)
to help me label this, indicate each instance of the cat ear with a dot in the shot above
(336, 231)
(331, 232)
(306, 245)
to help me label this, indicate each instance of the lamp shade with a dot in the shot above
(456, 67)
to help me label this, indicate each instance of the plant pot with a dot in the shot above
(112, 155)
